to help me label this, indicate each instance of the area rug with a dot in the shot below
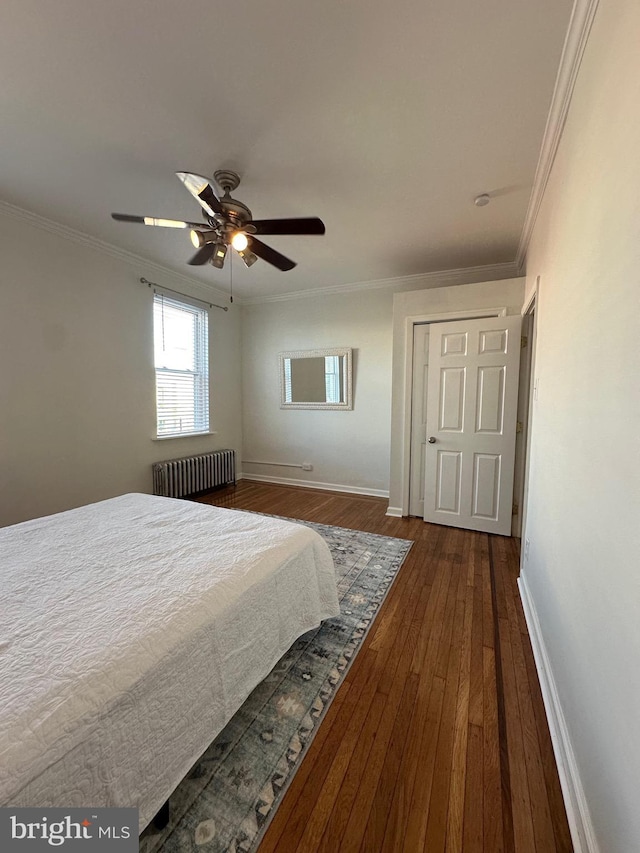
(227, 800)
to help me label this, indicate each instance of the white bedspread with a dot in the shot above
(131, 630)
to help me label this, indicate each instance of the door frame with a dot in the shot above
(529, 309)
(410, 322)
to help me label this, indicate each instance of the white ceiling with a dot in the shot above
(384, 119)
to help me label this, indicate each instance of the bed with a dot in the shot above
(131, 630)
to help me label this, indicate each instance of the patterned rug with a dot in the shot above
(227, 800)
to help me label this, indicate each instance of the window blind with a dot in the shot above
(287, 380)
(332, 378)
(181, 349)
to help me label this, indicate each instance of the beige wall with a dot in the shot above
(353, 449)
(583, 512)
(347, 449)
(77, 410)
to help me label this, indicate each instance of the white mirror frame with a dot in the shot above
(319, 353)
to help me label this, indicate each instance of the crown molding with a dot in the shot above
(582, 16)
(79, 237)
(421, 281)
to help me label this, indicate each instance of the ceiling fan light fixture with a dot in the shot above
(239, 241)
(197, 238)
(219, 254)
(248, 257)
(201, 238)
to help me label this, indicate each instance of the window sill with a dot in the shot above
(183, 435)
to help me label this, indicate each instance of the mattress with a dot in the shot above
(131, 630)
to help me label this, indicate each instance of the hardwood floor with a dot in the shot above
(437, 739)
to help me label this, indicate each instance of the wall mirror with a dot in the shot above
(316, 379)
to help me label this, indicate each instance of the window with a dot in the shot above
(332, 377)
(181, 344)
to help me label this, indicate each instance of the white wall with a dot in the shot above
(346, 448)
(77, 408)
(414, 304)
(583, 512)
(350, 450)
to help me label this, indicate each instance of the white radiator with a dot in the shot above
(176, 478)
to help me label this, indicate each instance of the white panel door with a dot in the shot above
(471, 423)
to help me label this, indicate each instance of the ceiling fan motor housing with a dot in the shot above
(236, 211)
(236, 214)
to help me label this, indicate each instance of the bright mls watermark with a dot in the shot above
(80, 830)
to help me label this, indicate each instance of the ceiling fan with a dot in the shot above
(229, 222)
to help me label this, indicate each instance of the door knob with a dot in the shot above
(432, 439)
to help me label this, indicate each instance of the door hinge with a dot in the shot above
(524, 340)
(514, 509)
(519, 426)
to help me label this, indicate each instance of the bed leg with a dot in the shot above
(162, 818)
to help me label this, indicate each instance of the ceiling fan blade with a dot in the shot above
(270, 255)
(302, 225)
(202, 190)
(158, 221)
(202, 255)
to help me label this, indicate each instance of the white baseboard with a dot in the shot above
(394, 511)
(582, 834)
(310, 484)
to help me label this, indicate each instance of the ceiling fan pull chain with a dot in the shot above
(231, 276)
